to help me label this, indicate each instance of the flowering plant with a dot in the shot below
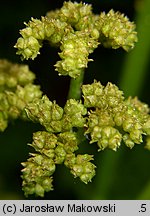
(93, 112)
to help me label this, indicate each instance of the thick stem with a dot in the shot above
(75, 87)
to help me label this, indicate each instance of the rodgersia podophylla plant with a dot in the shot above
(95, 112)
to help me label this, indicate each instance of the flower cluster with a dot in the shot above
(77, 31)
(116, 30)
(75, 50)
(114, 118)
(104, 114)
(38, 30)
(12, 75)
(52, 150)
(54, 118)
(56, 145)
(16, 90)
(81, 166)
(110, 120)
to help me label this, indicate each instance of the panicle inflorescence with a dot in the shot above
(52, 150)
(74, 112)
(46, 113)
(81, 166)
(38, 30)
(57, 144)
(36, 175)
(104, 115)
(16, 90)
(53, 117)
(12, 75)
(77, 31)
(116, 30)
(114, 118)
(75, 48)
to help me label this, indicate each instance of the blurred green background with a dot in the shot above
(120, 175)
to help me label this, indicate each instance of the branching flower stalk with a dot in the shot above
(101, 112)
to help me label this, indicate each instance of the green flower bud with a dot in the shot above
(118, 118)
(69, 140)
(47, 184)
(49, 27)
(80, 16)
(136, 136)
(39, 190)
(57, 112)
(60, 30)
(28, 190)
(78, 32)
(128, 124)
(45, 163)
(11, 82)
(39, 167)
(92, 94)
(29, 92)
(110, 137)
(43, 139)
(136, 119)
(73, 114)
(60, 154)
(113, 95)
(16, 101)
(128, 141)
(75, 50)
(54, 126)
(81, 167)
(53, 118)
(146, 126)
(25, 76)
(70, 160)
(12, 75)
(36, 174)
(15, 105)
(38, 30)
(140, 106)
(4, 106)
(28, 47)
(100, 118)
(114, 117)
(44, 143)
(35, 28)
(116, 31)
(106, 136)
(96, 95)
(72, 12)
(46, 113)
(39, 110)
